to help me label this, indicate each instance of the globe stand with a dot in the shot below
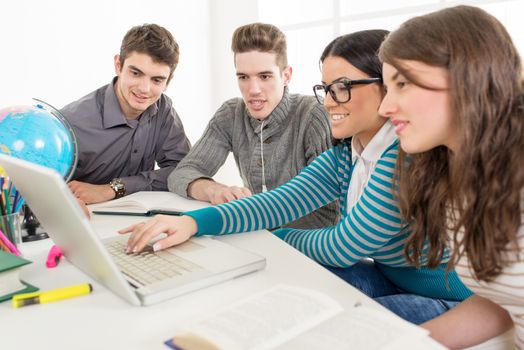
(32, 227)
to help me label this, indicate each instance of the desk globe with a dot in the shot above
(38, 133)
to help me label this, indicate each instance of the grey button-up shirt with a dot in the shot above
(111, 146)
(294, 134)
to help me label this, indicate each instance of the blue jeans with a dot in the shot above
(414, 308)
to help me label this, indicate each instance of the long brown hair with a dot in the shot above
(477, 189)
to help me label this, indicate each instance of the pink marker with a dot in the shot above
(53, 257)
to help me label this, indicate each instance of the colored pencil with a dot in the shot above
(4, 247)
(8, 243)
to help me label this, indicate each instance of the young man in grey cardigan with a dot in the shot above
(273, 134)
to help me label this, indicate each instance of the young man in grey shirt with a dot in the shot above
(124, 127)
(273, 134)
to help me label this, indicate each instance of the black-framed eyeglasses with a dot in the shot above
(340, 91)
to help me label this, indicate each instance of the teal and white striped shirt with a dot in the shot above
(372, 228)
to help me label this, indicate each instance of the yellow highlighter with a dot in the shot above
(25, 299)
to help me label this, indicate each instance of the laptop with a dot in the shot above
(198, 263)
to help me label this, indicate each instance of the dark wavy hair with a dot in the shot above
(360, 49)
(475, 193)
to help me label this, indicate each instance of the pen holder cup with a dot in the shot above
(10, 225)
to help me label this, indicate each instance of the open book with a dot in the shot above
(286, 317)
(146, 204)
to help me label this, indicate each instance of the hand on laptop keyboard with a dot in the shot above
(177, 228)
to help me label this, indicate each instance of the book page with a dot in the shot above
(360, 328)
(121, 204)
(262, 321)
(141, 202)
(132, 203)
(10, 282)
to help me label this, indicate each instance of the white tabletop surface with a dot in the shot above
(102, 320)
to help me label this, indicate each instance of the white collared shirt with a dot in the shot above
(365, 160)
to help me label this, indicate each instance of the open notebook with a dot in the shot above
(198, 263)
(145, 203)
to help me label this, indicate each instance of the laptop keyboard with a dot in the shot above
(149, 267)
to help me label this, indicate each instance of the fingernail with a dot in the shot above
(135, 249)
(156, 247)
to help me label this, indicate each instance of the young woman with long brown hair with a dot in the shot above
(455, 94)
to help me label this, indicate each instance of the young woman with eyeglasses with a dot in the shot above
(358, 171)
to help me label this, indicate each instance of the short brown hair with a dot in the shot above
(261, 37)
(153, 40)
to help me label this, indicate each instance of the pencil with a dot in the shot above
(8, 243)
(7, 203)
(4, 247)
(10, 187)
(19, 204)
(6, 227)
(2, 204)
(11, 228)
(16, 197)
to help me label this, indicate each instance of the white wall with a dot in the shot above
(311, 24)
(60, 50)
(226, 16)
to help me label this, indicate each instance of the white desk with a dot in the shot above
(102, 320)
